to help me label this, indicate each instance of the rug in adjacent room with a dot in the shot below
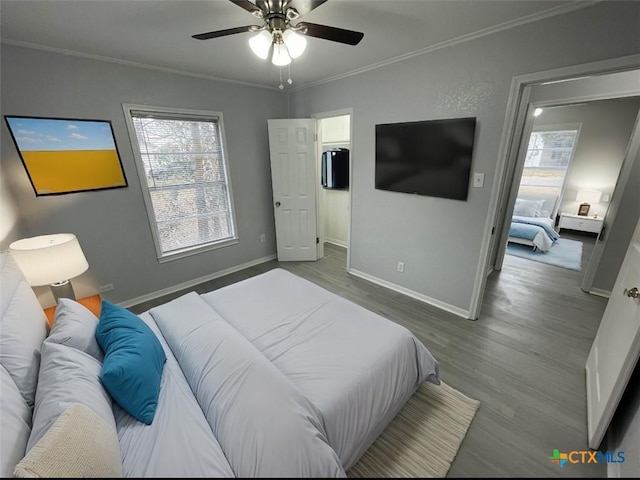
(423, 439)
(564, 253)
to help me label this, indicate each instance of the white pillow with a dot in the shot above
(75, 326)
(67, 376)
(527, 208)
(78, 444)
(23, 327)
(15, 424)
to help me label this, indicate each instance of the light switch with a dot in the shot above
(478, 180)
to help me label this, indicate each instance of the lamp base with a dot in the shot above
(62, 290)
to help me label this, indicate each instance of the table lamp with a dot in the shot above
(587, 197)
(50, 260)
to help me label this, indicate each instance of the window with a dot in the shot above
(548, 157)
(183, 171)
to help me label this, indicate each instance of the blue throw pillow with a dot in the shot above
(133, 361)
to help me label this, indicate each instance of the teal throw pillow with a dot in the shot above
(133, 361)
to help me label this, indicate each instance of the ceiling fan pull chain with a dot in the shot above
(289, 81)
(281, 86)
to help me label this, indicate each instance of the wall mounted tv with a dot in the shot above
(431, 157)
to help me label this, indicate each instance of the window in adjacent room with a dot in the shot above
(184, 174)
(548, 157)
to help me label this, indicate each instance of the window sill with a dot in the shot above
(194, 251)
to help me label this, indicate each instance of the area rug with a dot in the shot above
(564, 253)
(423, 439)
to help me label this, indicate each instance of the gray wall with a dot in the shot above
(112, 225)
(606, 127)
(439, 240)
(620, 232)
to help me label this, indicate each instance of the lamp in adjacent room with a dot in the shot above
(587, 197)
(50, 260)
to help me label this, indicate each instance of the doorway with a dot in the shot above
(333, 200)
(615, 78)
(572, 165)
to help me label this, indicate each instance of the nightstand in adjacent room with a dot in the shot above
(580, 223)
(93, 303)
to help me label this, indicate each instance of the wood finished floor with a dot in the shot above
(523, 358)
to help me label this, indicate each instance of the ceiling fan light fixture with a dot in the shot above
(294, 42)
(261, 44)
(280, 55)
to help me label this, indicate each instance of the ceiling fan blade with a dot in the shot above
(334, 34)
(248, 6)
(228, 31)
(304, 6)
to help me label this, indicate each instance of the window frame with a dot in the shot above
(204, 115)
(555, 127)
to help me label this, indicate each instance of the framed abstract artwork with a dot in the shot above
(67, 155)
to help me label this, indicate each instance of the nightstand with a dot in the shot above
(580, 223)
(93, 303)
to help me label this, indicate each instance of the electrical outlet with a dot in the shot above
(105, 288)
(401, 267)
(263, 238)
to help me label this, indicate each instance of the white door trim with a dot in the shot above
(512, 132)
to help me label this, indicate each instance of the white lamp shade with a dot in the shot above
(280, 55)
(295, 43)
(261, 43)
(48, 259)
(588, 196)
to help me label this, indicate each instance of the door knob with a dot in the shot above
(633, 293)
(277, 204)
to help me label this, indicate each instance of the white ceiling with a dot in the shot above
(158, 32)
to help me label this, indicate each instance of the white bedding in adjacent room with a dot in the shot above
(539, 239)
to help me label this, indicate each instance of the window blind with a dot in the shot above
(548, 156)
(186, 179)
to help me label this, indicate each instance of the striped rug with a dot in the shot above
(423, 439)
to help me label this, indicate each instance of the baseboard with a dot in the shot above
(599, 292)
(196, 281)
(340, 243)
(413, 294)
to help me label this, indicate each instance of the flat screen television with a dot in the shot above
(431, 157)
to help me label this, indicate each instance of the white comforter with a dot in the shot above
(265, 426)
(272, 376)
(357, 367)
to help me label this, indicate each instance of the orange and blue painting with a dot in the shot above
(67, 155)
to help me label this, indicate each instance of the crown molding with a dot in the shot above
(551, 12)
(129, 63)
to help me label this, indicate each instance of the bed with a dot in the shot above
(533, 222)
(272, 376)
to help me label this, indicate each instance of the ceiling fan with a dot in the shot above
(277, 29)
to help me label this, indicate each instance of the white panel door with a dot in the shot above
(293, 176)
(616, 347)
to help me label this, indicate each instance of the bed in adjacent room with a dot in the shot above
(533, 222)
(273, 376)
